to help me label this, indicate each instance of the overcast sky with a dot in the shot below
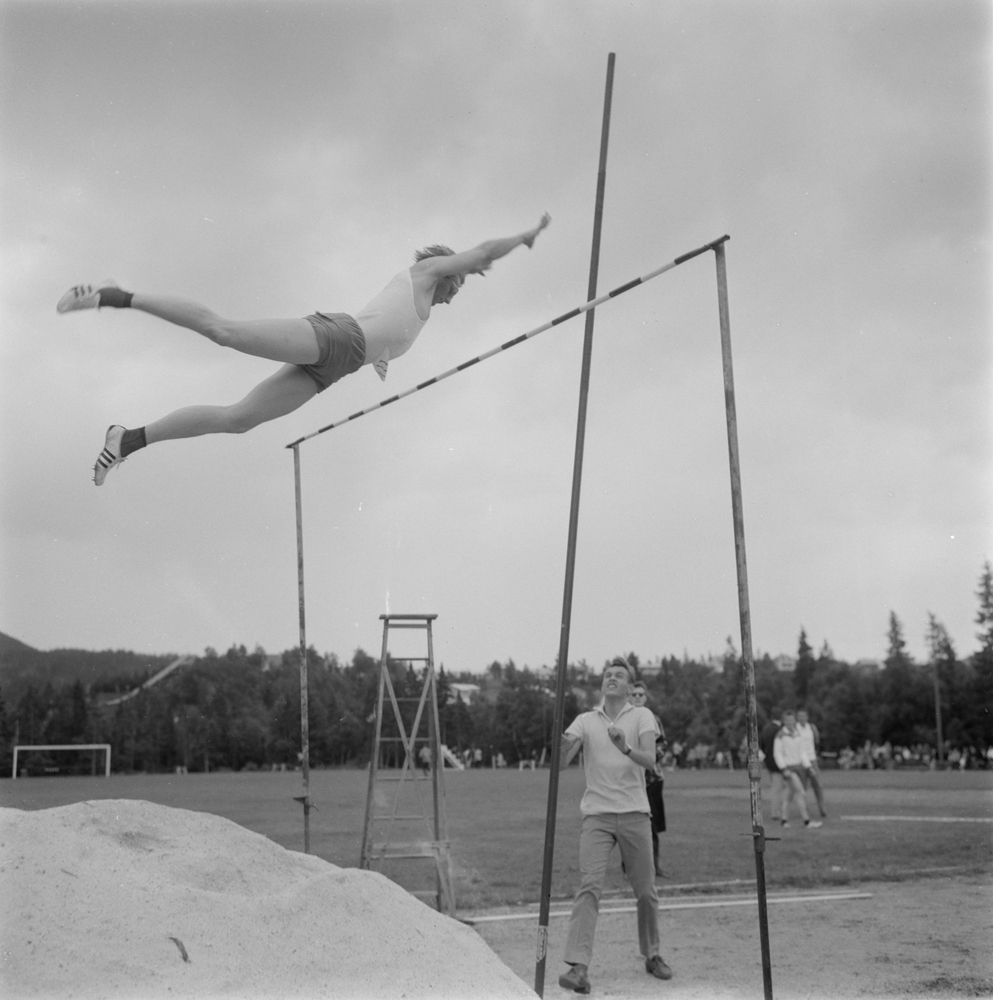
(275, 159)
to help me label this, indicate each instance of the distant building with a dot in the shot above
(787, 664)
(466, 691)
(867, 664)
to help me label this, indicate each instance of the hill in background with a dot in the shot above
(22, 665)
(8, 644)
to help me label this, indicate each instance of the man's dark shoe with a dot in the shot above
(655, 966)
(576, 979)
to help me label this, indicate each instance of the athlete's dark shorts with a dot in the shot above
(342, 345)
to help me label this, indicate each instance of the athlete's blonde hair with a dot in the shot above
(435, 250)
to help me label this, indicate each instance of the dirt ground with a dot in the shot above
(930, 937)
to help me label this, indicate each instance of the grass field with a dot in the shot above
(496, 824)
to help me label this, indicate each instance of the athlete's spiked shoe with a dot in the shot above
(83, 296)
(111, 454)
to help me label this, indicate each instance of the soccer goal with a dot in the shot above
(46, 764)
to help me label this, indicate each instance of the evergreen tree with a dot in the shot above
(30, 716)
(6, 738)
(896, 655)
(939, 642)
(242, 710)
(772, 687)
(942, 661)
(79, 717)
(730, 660)
(979, 710)
(805, 666)
(984, 617)
(906, 702)
(842, 706)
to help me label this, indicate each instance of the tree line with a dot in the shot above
(241, 710)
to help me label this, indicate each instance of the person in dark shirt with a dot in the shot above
(654, 779)
(767, 739)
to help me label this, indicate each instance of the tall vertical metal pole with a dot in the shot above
(434, 743)
(577, 475)
(304, 686)
(744, 614)
(374, 761)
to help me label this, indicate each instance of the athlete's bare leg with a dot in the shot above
(289, 340)
(281, 393)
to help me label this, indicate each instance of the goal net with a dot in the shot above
(38, 760)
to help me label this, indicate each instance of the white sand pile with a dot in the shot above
(122, 898)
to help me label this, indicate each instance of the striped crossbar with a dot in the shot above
(586, 307)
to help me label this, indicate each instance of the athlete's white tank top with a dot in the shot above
(390, 322)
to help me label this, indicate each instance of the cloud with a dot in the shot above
(275, 160)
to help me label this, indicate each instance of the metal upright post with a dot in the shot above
(374, 761)
(437, 763)
(304, 799)
(744, 614)
(577, 475)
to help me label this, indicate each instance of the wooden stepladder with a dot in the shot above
(404, 837)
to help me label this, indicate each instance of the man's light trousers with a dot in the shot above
(795, 792)
(632, 832)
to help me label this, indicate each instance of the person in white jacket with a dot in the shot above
(792, 760)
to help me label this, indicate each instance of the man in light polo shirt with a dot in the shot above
(618, 743)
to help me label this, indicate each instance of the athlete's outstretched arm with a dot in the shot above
(479, 259)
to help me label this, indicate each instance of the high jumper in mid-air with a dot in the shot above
(316, 351)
